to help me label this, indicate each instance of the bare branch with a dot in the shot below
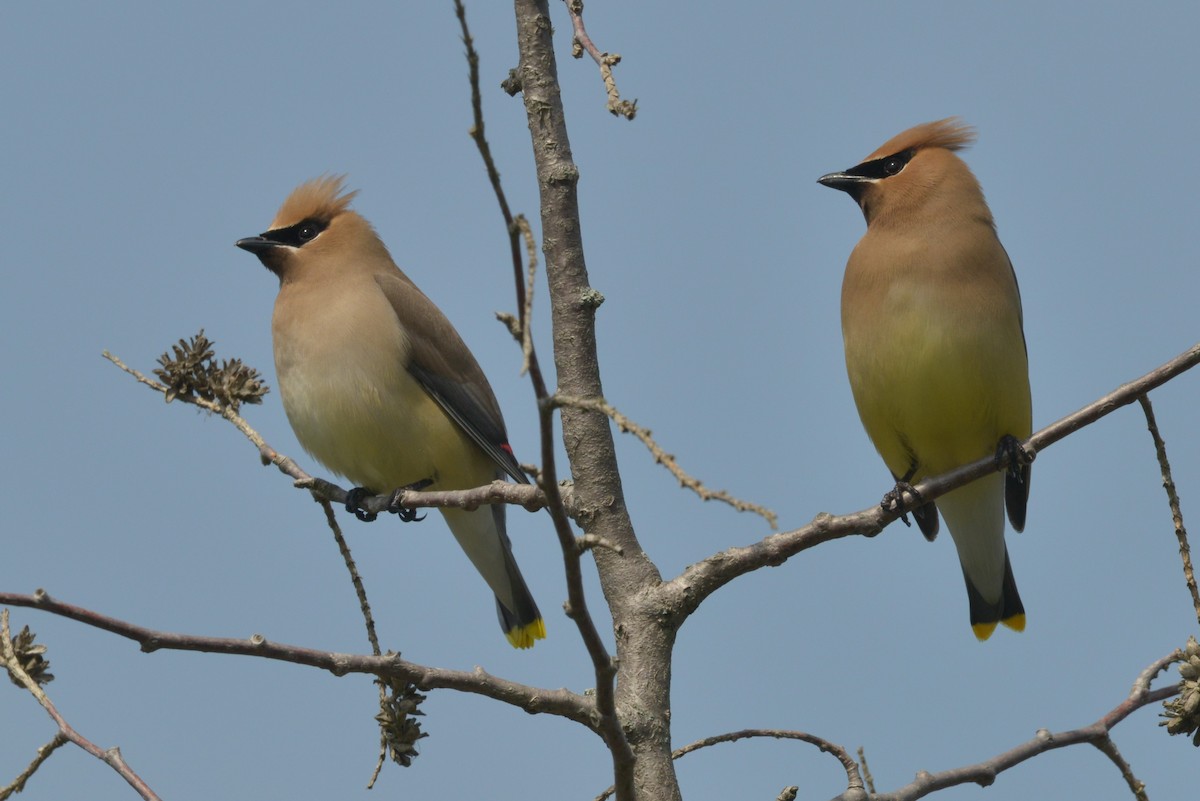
(866, 770)
(667, 460)
(526, 338)
(526, 495)
(700, 580)
(605, 61)
(984, 773)
(364, 605)
(854, 780)
(531, 699)
(18, 784)
(530, 497)
(607, 725)
(265, 451)
(111, 757)
(1185, 552)
(1107, 747)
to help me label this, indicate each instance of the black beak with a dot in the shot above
(839, 180)
(257, 245)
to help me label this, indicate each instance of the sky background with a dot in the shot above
(142, 139)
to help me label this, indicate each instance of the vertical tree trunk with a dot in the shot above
(644, 639)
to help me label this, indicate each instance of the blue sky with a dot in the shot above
(142, 139)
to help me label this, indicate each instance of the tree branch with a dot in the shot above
(1185, 552)
(643, 647)
(18, 784)
(111, 757)
(531, 699)
(667, 460)
(854, 780)
(526, 495)
(984, 773)
(605, 61)
(606, 723)
(702, 579)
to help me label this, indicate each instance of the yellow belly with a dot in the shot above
(936, 386)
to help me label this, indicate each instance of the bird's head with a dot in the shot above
(315, 230)
(915, 173)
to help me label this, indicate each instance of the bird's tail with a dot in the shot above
(1009, 610)
(481, 533)
(975, 516)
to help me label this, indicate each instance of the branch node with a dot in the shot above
(590, 298)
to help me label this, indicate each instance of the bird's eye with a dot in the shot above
(893, 165)
(299, 234)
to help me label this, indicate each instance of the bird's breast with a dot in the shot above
(936, 360)
(341, 357)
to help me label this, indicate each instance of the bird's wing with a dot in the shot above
(444, 367)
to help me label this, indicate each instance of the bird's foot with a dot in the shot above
(407, 513)
(900, 498)
(354, 500)
(1012, 456)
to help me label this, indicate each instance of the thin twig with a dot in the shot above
(528, 496)
(527, 307)
(265, 451)
(667, 460)
(853, 779)
(866, 770)
(18, 784)
(1185, 552)
(985, 773)
(355, 578)
(605, 61)
(529, 698)
(111, 756)
(364, 606)
(1107, 747)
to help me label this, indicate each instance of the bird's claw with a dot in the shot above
(353, 504)
(900, 497)
(1012, 456)
(406, 513)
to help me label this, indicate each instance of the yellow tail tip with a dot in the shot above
(983, 630)
(525, 636)
(1016, 622)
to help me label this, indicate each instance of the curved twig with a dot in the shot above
(854, 780)
(984, 773)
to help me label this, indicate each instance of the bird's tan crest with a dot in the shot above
(951, 133)
(321, 198)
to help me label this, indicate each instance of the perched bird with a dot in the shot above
(378, 385)
(935, 349)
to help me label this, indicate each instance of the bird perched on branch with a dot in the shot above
(935, 349)
(378, 385)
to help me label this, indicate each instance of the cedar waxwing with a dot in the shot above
(378, 385)
(935, 350)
